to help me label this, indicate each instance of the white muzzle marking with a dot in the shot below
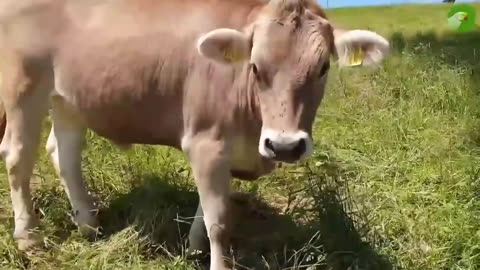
(287, 140)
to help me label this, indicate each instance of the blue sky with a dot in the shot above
(352, 3)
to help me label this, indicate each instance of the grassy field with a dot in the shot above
(394, 182)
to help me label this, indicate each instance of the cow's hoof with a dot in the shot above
(87, 223)
(89, 232)
(29, 241)
(201, 257)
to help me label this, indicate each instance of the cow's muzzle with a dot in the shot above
(285, 147)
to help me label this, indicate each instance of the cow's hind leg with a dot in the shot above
(197, 237)
(64, 145)
(24, 95)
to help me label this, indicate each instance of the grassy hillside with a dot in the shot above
(394, 182)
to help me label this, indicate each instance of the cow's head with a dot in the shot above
(288, 49)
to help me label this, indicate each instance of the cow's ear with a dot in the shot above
(224, 45)
(359, 47)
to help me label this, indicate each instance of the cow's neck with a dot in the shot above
(246, 105)
(246, 162)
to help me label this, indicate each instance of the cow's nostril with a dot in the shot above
(300, 148)
(269, 144)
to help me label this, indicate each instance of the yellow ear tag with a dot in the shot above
(232, 57)
(356, 57)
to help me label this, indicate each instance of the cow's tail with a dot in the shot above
(3, 121)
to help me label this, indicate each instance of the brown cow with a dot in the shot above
(234, 84)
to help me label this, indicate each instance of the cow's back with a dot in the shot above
(30, 27)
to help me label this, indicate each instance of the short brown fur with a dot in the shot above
(132, 71)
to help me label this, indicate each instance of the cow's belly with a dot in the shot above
(146, 120)
(131, 125)
(118, 92)
(132, 129)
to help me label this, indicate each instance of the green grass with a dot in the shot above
(394, 182)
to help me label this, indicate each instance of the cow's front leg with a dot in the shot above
(212, 175)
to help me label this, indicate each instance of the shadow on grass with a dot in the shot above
(454, 49)
(318, 231)
(342, 238)
(156, 208)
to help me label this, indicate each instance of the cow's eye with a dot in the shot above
(255, 69)
(324, 70)
(261, 76)
(255, 72)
